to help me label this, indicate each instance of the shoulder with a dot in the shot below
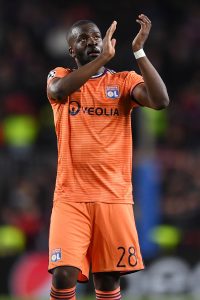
(131, 78)
(122, 74)
(58, 72)
(125, 77)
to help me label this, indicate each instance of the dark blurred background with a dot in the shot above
(166, 169)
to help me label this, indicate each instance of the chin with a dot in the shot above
(93, 57)
(90, 59)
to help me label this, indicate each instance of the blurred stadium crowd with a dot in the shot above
(32, 42)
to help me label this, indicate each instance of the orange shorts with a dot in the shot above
(99, 235)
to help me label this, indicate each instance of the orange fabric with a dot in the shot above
(94, 137)
(99, 234)
(111, 295)
(67, 294)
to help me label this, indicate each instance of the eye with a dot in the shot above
(83, 39)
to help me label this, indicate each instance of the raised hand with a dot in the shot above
(143, 34)
(109, 42)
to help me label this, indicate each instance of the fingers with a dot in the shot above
(113, 42)
(111, 30)
(143, 20)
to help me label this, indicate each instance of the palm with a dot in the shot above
(143, 33)
(108, 41)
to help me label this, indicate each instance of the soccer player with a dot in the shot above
(92, 221)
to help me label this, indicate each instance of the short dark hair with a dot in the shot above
(77, 24)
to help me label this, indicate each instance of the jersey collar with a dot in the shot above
(99, 75)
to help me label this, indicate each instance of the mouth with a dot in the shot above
(93, 52)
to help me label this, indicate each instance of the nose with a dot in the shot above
(91, 41)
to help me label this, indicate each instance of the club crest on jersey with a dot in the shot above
(56, 255)
(112, 92)
(52, 74)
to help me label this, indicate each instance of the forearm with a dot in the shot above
(155, 87)
(153, 93)
(63, 87)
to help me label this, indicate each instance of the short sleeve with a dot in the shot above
(132, 80)
(58, 72)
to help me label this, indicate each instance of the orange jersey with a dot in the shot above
(94, 139)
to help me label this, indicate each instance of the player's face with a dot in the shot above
(86, 43)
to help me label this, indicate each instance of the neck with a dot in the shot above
(100, 71)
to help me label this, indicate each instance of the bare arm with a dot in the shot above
(60, 88)
(153, 92)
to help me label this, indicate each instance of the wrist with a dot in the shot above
(106, 56)
(139, 53)
(101, 60)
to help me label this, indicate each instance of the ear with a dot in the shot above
(71, 52)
